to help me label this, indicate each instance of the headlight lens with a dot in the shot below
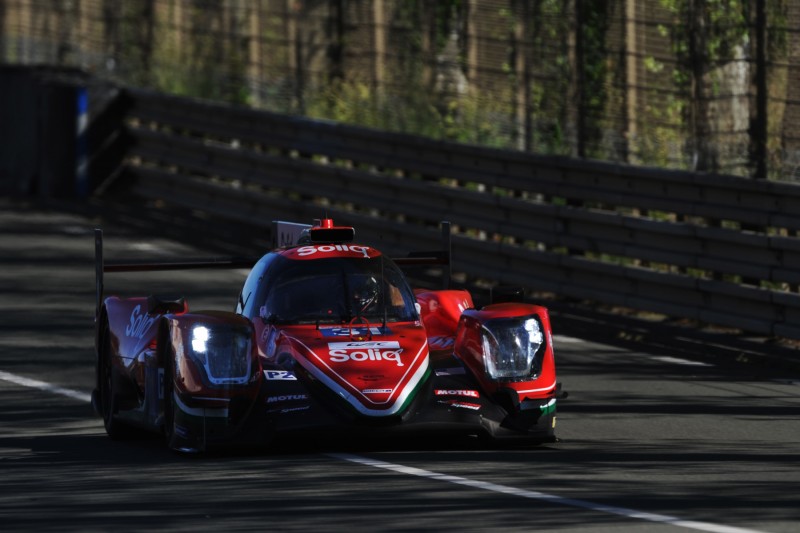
(224, 353)
(510, 346)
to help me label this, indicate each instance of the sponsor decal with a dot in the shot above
(377, 391)
(457, 392)
(139, 323)
(371, 377)
(280, 375)
(352, 345)
(457, 371)
(305, 251)
(549, 408)
(442, 342)
(288, 233)
(341, 352)
(269, 337)
(354, 331)
(287, 398)
(292, 409)
(461, 405)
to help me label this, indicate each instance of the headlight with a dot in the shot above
(224, 353)
(510, 346)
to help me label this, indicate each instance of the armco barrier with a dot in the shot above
(716, 249)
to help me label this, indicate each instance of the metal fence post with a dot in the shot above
(759, 131)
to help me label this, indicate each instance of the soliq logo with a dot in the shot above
(305, 251)
(139, 323)
(341, 352)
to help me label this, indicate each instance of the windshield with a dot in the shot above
(339, 290)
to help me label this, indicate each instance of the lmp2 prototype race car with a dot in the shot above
(326, 336)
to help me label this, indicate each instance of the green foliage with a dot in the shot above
(410, 110)
(704, 34)
(595, 24)
(572, 86)
(205, 63)
(778, 36)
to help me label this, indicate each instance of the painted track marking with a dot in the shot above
(563, 339)
(457, 480)
(550, 498)
(679, 361)
(44, 386)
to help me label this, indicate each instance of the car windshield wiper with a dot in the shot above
(316, 318)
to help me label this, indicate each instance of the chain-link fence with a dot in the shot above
(710, 85)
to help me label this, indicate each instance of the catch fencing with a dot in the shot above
(707, 85)
(710, 248)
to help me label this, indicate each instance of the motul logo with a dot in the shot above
(457, 392)
(287, 398)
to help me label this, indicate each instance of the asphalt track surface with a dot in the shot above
(650, 441)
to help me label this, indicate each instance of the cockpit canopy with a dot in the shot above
(337, 290)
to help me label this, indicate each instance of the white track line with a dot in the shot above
(412, 471)
(44, 386)
(550, 498)
(559, 339)
(679, 361)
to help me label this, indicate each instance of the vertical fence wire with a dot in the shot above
(707, 85)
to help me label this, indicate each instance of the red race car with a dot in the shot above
(327, 336)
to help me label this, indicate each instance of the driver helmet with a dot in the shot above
(366, 293)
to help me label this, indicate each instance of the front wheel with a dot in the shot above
(173, 432)
(109, 399)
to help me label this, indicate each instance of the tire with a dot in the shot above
(172, 439)
(169, 401)
(115, 429)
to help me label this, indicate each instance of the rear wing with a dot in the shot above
(290, 234)
(283, 234)
(441, 257)
(101, 266)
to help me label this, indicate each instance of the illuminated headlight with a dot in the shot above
(200, 338)
(224, 353)
(510, 346)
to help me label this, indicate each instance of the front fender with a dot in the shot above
(538, 381)
(131, 325)
(214, 355)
